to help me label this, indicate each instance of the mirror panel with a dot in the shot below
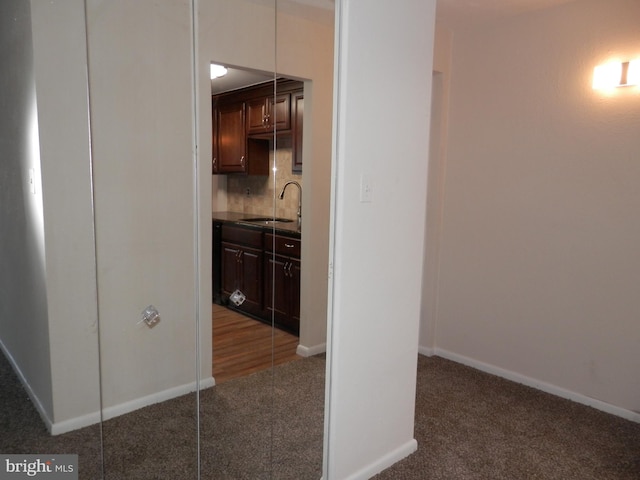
(236, 415)
(305, 53)
(49, 376)
(142, 117)
(142, 203)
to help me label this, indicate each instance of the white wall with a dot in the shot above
(24, 331)
(242, 33)
(142, 143)
(70, 265)
(382, 131)
(540, 263)
(435, 187)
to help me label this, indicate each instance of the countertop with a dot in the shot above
(288, 228)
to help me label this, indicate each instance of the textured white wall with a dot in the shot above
(59, 46)
(382, 131)
(24, 331)
(142, 125)
(540, 262)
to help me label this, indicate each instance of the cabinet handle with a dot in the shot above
(242, 161)
(289, 245)
(285, 268)
(289, 269)
(215, 164)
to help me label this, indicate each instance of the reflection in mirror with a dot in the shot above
(295, 403)
(255, 314)
(49, 378)
(146, 95)
(141, 87)
(235, 415)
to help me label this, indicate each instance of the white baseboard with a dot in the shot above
(385, 461)
(426, 351)
(304, 351)
(75, 423)
(162, 396)
(127, 407)
(23, 380)
(537, 384)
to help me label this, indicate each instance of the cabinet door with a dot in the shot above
(229, 268)
(251, 279)
(276, 294)
(214, 137)
(282, 291)
(257, 115)
(298, 115)
(230, 141)
(294, 292)
(242, 270)
(262, 112)
(279, 114)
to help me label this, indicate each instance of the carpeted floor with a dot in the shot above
(472, 425)
(469, 425)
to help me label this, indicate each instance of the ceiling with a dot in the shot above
(453, 13)
(466, 13)
(238, 78)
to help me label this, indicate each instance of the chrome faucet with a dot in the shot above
(299, 200)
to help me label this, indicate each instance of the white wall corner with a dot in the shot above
(539, 385)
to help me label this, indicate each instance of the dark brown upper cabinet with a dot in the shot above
(297, 115)
(245, 120)
(266, 113)
(233, 151)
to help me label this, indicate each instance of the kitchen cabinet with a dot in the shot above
(282, 280)
(297, 115)
(264, 266)
(269, 112)
(243, 124)
(233, 151)
(241, 262)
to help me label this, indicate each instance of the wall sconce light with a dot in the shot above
(616, 74)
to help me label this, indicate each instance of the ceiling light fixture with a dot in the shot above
(217, 71)
(617, 74)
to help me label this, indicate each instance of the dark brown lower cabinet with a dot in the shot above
(264, 267)
(241, 267)
(282, 291)
(282, 280)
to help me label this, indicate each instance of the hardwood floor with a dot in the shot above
(242, 345)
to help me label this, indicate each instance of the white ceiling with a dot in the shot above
(238, 78)
(464, 13)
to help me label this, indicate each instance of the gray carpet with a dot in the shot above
(472, 425)
(469, 425)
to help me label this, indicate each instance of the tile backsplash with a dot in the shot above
(255, 194)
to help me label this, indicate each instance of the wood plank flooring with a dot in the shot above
(242, 345)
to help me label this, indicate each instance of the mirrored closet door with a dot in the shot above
(143, 114)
